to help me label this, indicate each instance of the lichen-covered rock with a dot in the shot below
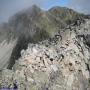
(62, 65)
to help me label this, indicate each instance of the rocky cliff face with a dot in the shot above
(59, 63)
(31, 26)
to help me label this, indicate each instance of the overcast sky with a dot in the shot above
(10, 7)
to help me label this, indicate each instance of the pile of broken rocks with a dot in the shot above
(64, 65)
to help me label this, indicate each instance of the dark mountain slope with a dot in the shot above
(65, 15)
(57, 17)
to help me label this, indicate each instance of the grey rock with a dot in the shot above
(63, 65)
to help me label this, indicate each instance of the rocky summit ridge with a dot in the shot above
(59, 63)
(32, 25)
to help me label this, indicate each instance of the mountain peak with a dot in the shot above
(35, 8)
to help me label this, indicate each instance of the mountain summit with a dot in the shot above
(52, 20)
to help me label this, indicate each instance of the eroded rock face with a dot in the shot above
(61, 63)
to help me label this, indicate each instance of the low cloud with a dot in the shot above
(80, 5)
(10, 7)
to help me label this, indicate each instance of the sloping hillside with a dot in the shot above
(33, 25)
(5, 52)
(36, 19)
(59, 63)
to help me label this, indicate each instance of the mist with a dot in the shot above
(80, 5)
(9, 7)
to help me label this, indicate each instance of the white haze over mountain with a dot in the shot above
(10, 7)
(80, 5)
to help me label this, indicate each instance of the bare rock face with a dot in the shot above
(61, 63)
(5, 52)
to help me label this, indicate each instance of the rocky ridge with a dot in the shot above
(60, 63)
(31, 26)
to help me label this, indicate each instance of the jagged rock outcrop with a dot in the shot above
(60, 63)
(35, 25)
